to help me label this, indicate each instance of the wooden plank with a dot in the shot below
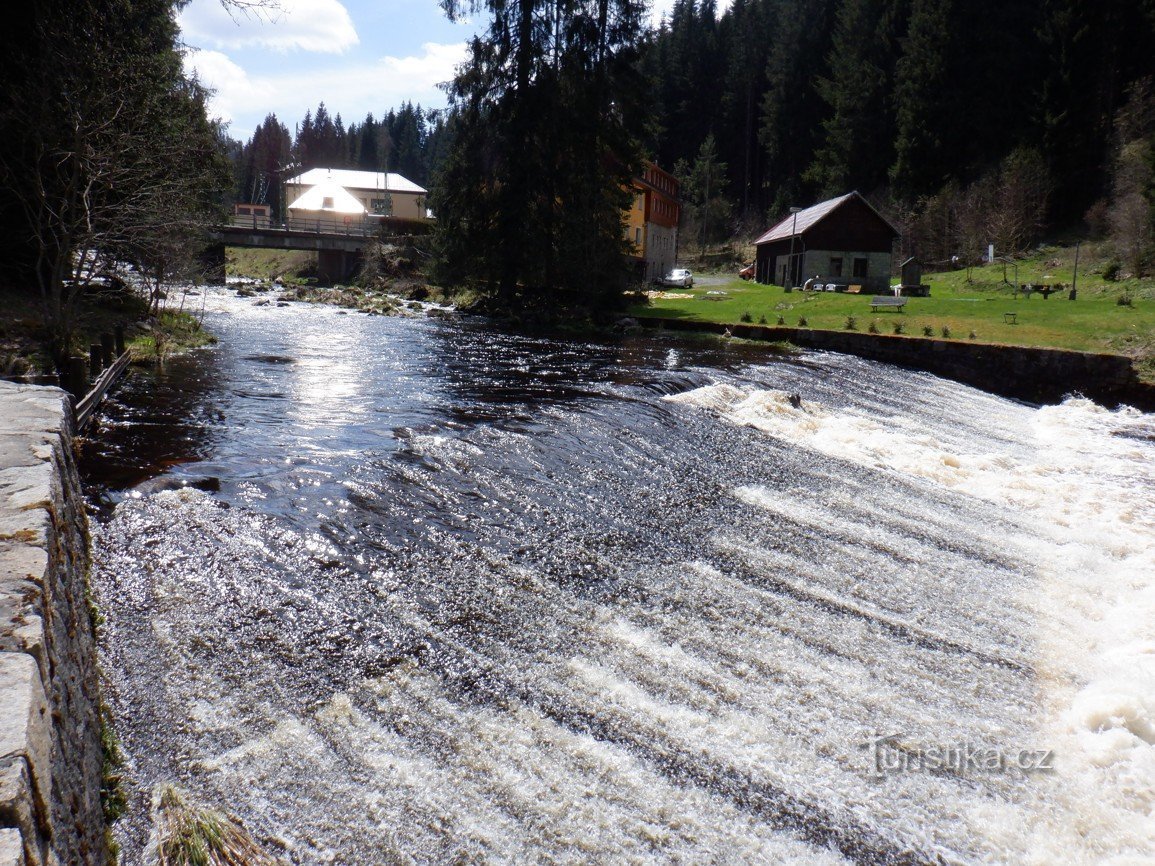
(86, 407)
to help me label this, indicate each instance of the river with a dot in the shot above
(455, 595)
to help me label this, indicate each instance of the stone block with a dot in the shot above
(11, 848)
(17, 814)
(25, 726)
(25, 487)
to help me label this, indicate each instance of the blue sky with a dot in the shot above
(358, 56)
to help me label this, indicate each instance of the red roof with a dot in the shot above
(797, 224)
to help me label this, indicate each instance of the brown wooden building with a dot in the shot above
(843, 241)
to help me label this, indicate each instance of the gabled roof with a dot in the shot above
(314, 199)
(351, 179)
(797, 224)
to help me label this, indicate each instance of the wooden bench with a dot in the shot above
(886, 302)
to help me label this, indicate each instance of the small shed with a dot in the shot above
(844, 241)
(912, 285)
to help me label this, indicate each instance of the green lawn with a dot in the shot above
(1094, 322)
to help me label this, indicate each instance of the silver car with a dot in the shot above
(678, 277)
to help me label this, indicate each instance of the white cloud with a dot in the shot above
(658, 8)
(308, 25)
(350, 90)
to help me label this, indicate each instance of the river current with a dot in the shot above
(454, 595)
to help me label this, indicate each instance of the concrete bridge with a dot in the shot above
(338, 247)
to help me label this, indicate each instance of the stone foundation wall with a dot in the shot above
(1034, 374)
(50, 750)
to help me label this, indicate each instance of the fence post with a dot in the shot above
(107, 349)
(119, 335)
(76, 376)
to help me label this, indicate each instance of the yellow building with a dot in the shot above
(652, 223)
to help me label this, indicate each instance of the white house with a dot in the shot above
(343, 196)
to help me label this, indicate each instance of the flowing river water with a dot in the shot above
(460, 596)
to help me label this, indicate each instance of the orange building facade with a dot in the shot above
(652, 223)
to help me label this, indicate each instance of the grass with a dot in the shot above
(1094, 322)
(190, 835)
(174, 331)
(264, 264)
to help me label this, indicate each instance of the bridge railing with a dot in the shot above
(255, 221)
(352, 225)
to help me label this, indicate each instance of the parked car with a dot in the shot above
(678, 277)
(747, 273)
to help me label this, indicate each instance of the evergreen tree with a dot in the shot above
(261, 164)
(857, 147)
(792, 108)
(703, 187)
(531, 197)
(926, 116)
(746, 34)
(1092, 52)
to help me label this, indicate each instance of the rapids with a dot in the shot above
(453, 595)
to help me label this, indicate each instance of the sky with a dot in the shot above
(357, 56)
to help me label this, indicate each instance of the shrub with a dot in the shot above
(1111, 272)
(851, 323)
(781, 320)
(873, 328)
(945, 332)
(972, 335)
(1125, 300)
(802, 323)
(899, 328)
(762, 320)
(927, 331)
(746, 317)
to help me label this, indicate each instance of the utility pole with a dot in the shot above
(791, 276)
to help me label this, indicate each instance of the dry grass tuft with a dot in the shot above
(190, 835)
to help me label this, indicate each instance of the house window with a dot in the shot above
(860, 267)
(327, 203)
(637, 237)
(383, 206)
(836, 267)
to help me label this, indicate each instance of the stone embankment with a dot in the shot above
(1034, 374)
(50, 746)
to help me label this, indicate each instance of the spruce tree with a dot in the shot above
(531, 198)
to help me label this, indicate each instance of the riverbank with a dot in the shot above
(51, 747)
(150, 337)
(1111, 314)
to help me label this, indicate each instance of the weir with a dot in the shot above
(522, 599)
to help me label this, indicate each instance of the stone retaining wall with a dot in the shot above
(1034, 374)
(50, 750)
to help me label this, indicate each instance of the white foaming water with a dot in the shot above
(1082, 478)
(467, 618)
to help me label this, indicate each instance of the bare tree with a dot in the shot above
(109, 153)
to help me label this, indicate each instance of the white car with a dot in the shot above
(678, 277)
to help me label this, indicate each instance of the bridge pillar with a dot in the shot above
(336, 266)
(212, 264)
